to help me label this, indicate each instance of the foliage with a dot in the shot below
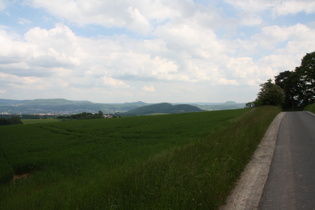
(10, 121)
(182, 161)
(83, 116)
(250, 104)
(36, 116)
(288, 81)
(270, 94)
(299, 85)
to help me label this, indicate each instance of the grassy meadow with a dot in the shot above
(179, 161)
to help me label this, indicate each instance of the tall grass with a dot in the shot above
(198, 175)
(184, 161)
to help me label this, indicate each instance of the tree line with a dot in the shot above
(291, 89)
(10, 120)
(83, 116)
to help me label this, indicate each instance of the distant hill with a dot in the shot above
(220, 106)
(8, 102)
(54, 102)
(163, 108)
(62, 106)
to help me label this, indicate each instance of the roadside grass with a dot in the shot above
(199, 175)
(181, 161)
(310, 108)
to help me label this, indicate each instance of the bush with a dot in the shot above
(270, 94)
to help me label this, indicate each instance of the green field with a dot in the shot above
(180, 161)
(35, 121)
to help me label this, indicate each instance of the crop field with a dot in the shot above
(179, 161)
(35, 121)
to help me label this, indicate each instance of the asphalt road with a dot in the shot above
(291, 180)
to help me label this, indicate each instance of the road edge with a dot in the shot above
(311, 113)
(247, 193)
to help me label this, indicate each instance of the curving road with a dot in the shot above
(291, 180)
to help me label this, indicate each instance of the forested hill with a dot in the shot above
(63, 106)
(163, 108)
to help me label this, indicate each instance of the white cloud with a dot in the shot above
(114, 82)
(279, 34)
(149, 89)
(251, 12)
(187, 53)
(224, 81)
(185, 49)
(139, 21)
(278, 7)
(252, 6)
(3, 4)
(24, 21)
(26, 83)
(294, 7)
(250, 19)
(134, 15)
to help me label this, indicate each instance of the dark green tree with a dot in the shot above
(306, 73)
(100, 114)
(299, 85)
(288, 81)
(10, 121)
(270, 94)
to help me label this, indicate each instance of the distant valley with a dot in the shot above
(66, 107)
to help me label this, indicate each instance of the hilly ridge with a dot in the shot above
(64, 107)
(163, 108)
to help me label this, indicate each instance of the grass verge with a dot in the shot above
(310, 108)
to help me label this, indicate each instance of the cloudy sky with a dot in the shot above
(150, 50)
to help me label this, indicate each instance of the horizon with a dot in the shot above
(193, 50)
(141, 101)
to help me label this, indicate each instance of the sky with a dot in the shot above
(150, 50)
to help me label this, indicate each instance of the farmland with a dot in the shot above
(179, 161)
(35, 121)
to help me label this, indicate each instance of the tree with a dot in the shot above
(10, 121)
(288, 81)
(270, 94)
(299, 85)
(306, 81)
(100, 114)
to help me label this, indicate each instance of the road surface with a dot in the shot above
(291, 180)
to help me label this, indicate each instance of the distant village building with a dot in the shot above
(107, 116)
